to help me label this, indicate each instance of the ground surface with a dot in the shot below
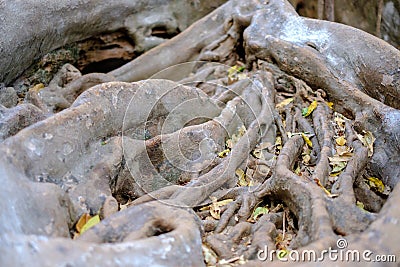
(253, 130)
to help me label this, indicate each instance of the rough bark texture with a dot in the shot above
(200, 119)
(44, 31)
(377, 16)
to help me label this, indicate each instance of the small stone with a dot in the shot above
(8, 97)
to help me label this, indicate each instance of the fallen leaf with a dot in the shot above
(224, 153)
(209, 256)
(337, 159)
(307, 111)
(360, 205)
(368, 140)
(306, 139)
(306, 158)
(285, 102)
(339, 166)
(258, 153)
(37, 87)
(341, 141)
(376, 183)
(235, 69)
(340, 121)
(82, 221)
(329, 104)
(344, 151)
(317, 181)
(90, 223)
(297, 170)
(258, 212)
(242, 177)
(219, 203)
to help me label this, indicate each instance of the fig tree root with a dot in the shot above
(253, 130)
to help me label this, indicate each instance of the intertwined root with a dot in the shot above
(273, 149)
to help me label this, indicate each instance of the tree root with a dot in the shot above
(237, 159)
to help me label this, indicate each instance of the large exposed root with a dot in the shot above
(273, 149)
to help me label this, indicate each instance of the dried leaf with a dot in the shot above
(37, 87)
(90, 223)
(307, 140)
(306, 158)
(341, 141)
(258, 153)
(360, 205)
(242, 177)
(215, 207)
(337, 159)
(209, 256)
(224, 153)
(219, 203)
(339, 166)
(297, 170)
(329, 104)
(340, 121)
(376, 183)
(344, 151)
(278, 140)
(307, 111)
(82, 221)
(317, 181)
(368, 140)
(285, 102)
(234, 70)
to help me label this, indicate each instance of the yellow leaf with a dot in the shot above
(242, 177)
(37, 87)
(329, 104)
(82, 221)
(360, 205)
(285, 102)
(215, 207)
(218, 203)
(317, 181)
(307, 140)
(341, 141)
(376, 183)
(306, 159)
(258, 153)
(297, 170)
(311, 108)
(92, 222)
(233, 72)
(278, 141)
(224, 153)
